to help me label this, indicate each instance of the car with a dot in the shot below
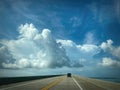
(69, 74)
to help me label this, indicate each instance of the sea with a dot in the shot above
(117, 80)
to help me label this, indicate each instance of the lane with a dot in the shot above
(67, 84)
(88, 86)
(30, 85)
(77, 84)
(53, 83)
(94, 84)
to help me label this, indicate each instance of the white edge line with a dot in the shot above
(77, 84)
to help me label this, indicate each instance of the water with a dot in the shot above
(108, 79)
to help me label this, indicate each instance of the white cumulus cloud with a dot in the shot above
(108, 62)
(109, 48)
(76, 52)
(33, 49)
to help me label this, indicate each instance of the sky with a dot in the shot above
(44, 37)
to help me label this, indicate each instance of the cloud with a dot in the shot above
(90, 38)
(22, 8)
(117, 9)
(108, 62)
(75, 21)
(33, 49)
(4, 55)
(20, 64)
(109, 48)
(117, 52)
(27, 31)
(94, 9)
(78, 52)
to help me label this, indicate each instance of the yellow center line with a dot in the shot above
(53, 83)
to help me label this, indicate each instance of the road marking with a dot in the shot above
(77, 84)
(53, 84)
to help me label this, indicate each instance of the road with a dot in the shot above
(63, 83)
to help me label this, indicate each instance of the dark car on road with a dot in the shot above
(69, 74)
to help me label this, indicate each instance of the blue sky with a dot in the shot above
(59, 36)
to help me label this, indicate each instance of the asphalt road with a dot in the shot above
(63, 83)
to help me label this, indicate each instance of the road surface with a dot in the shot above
(63, 83)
